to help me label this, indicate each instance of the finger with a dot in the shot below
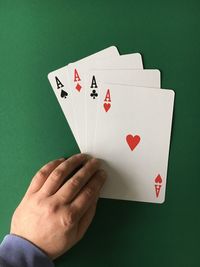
(88, 194)
(72, 187)
(59, 174)
(42, 175)
(85, 221)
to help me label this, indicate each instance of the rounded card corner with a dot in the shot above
(49, 75)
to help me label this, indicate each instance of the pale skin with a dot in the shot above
(55, 212)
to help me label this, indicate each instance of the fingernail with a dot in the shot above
(98, 161)
(83, 156)
(61, 159)
(87, 157)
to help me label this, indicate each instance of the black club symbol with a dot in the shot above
(94, 94)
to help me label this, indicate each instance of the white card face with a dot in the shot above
(75, 74)
(133, 138)
(129, 61)
(145, 78)
(60, 82)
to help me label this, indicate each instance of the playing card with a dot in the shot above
(128, 61)
(60, 82)
(147, 78)
(133, 138)
(77, 72)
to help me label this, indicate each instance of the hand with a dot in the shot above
(54, 213)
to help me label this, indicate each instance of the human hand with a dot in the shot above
(55, 213)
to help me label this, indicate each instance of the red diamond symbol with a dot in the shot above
(78, 87)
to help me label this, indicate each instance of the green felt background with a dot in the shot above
(37, 37)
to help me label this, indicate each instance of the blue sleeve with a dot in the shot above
(19, 252)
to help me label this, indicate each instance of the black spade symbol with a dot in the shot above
(64, 94)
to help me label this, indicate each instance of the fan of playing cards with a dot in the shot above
(118, 112)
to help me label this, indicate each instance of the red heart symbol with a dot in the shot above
(158, 179)
(106, 106)
(132, 141)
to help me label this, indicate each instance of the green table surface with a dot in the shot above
(37, 37)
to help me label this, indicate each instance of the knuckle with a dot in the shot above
(81, 173)
(71, 217)
(38, 202)
(90, 192)
(51, 208)
(61, 198)
(42, 173)
(75, 182)
(57, 174)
